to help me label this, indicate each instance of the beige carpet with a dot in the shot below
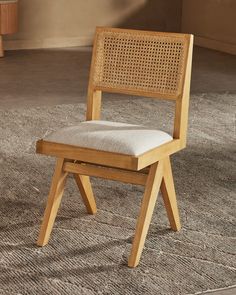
(88, 254)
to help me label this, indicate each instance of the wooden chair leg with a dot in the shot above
(148, 203)
(1, 47)
(86, 192)
(53, 203)
(169, 196)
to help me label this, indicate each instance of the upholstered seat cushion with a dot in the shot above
(111, 137)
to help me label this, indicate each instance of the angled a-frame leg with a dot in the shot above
(169, 196)
(53, 203)
(55, 195)
(148, 203)
(86, 192)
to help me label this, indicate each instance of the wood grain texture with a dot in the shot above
(53, 203)
(8, 18)
(94, 96)
(87, 155)
(130, 162)
(94, 105)
(131, 76)
(107, 173)
(158, 153)
(86, 192)
(140, 62)
(169, 196)
(148, 203)
(182, 105)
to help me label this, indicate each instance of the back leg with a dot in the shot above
(86, 192)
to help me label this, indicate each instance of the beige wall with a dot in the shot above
(158, 15)
(213, 22)
(52, 23)
(58, 23)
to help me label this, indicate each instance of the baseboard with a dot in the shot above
(88, 40)
(215, 44)
(48, 43)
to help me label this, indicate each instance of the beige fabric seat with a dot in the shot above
(111, 137)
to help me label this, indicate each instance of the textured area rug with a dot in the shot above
(88, 254)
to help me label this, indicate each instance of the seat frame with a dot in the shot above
(151, 169)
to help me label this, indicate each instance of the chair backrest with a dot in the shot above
(151, 64)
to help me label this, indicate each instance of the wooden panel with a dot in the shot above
(8, 18)
(138, 93)
(86, 155)
(158, 153)
(108, 158)
(107, 173)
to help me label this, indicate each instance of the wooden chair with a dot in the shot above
(149, 64)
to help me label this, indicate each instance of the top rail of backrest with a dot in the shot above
(139, 62)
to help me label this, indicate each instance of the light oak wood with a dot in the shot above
(107, 173)
(158, 153)
(182, 105)
(108, 158)
(152, 168)
(53, 203)
(87, 155)
(181, 96)
(94, 90)
(138, 93)
(86, 192)
(94, 95)
(169, 196)
(148, 203)
(94, 105)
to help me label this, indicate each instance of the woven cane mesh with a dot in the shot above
(140, 62)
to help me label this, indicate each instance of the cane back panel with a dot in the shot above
(140, 62)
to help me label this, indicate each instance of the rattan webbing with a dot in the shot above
(140, 61)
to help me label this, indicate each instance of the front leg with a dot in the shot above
(53, 203)
(148, 203)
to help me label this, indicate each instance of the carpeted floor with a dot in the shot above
(88, 254)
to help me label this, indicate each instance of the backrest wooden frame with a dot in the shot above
(180, 91)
